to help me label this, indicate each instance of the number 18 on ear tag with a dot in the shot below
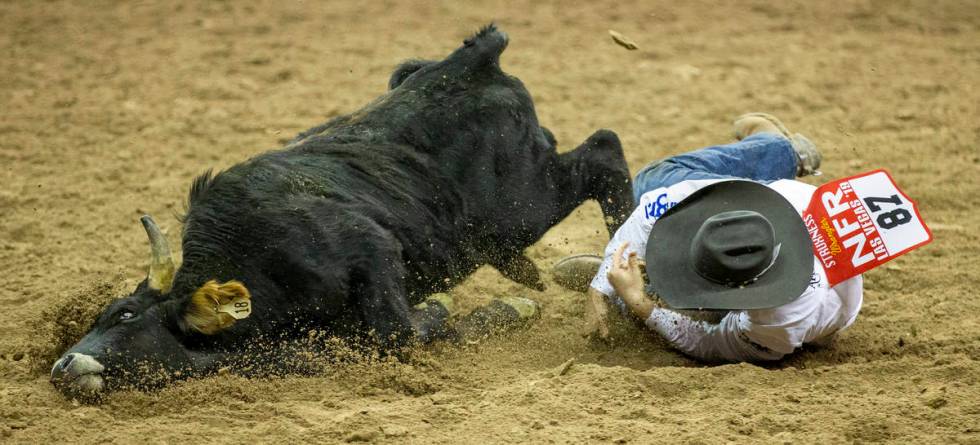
(861, 222)
(239, 308)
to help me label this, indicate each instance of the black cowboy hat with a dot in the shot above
(731, 245)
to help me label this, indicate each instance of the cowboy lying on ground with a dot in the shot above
(720, 230)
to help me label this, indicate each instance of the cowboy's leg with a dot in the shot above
(763, 157)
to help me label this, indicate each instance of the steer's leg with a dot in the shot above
(379, 290)
(518, 268)
(595, 170)
(378, 286)
(385, 310)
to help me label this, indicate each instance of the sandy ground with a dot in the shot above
(108, 111)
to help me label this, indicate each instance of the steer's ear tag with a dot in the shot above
(215, 307)
(239, 307)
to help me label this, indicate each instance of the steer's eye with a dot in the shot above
(126, 315)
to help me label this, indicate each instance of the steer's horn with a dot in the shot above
(161, 274)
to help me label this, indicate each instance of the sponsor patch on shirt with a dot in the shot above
(659, 206)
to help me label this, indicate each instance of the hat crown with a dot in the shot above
(696, 259)
(733, 248)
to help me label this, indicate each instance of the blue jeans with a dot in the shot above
(762, 157)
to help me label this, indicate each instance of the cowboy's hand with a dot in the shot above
(626, 275)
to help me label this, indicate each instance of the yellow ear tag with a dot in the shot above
(239, 307)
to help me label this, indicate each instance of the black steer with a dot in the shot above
(353, 223)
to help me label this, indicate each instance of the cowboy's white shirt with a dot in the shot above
(745, 335)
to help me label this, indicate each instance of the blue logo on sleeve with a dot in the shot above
(657, 208)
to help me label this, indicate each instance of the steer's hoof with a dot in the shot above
(576, 272)
(526, 308)
(502, 314)
(441, 298)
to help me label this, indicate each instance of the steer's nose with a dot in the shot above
(76, 364)
(78, 375)
(65, 362)
(60, 367)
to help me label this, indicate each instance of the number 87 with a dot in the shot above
(892, 219)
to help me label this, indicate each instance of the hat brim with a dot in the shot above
(668, 255)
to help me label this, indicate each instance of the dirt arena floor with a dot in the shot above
(108, 110)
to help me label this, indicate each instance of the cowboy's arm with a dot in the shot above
(635, 230)
(629, 287)
(706, 341)
(721, 341)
